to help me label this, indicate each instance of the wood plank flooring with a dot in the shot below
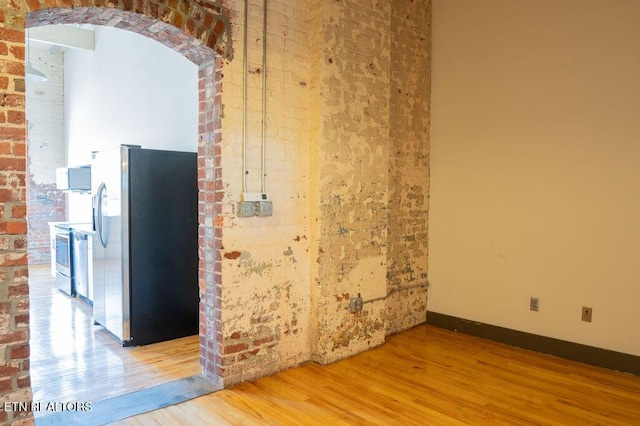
(74, 360)
(424, 376)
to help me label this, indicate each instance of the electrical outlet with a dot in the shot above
(586, 314)
(355, 304)
(533, 303)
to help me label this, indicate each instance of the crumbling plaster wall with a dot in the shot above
(347, 171)
(409, 164)
(265, 260)
(353, 176)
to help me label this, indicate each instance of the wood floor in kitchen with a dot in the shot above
(74, 360)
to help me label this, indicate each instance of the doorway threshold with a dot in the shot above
(134, 403)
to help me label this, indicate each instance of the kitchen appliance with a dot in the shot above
(145, 246)
(64, 269)
(74, 178)
(80, 263)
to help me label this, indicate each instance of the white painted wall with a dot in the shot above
(535, 166)
(130, 90)
(45, 115)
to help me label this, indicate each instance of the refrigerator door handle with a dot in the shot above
(98, 214)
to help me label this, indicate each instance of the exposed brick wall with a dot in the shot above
(275, 290)
(210, 221)
(265, 301)
(46, 204)
(14, 302)
(354, 179)
(201, 21)
(408, 164)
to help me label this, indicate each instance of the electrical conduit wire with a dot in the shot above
(263, 166)
(244, 97)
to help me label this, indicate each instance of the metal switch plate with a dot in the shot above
(246, 209)
(533, 304)
(264, 208)
(355, 304)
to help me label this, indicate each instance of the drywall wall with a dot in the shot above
(535, 169)
(130, 90)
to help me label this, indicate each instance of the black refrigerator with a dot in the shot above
(145, 244)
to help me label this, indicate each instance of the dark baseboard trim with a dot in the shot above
(569, 350)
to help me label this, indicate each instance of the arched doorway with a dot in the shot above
(200, 34)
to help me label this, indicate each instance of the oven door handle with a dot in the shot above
(98, 214)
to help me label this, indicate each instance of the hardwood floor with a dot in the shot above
(424, 376)
(74, 360)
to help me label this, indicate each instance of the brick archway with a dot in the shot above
(201, 34)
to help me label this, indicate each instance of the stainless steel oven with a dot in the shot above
(64, 268)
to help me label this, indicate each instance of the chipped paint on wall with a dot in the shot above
(348, 175)
(407, 253)
(353, 174)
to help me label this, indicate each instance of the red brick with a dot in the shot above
(5, 148)
(20, 275)
(17, 52)
(23, 382)
(13, 260)
(19, 244)
(14, 68)
(17, 228)
(12, 133)
(33, 4)
(21, 351)
(231, 349)
(12, 163)
(22, 319)
(23, 305)
(260, 342)
(19, 149)
(4, 83)
(4, 49)
(19, 211)
(16, 117)
(11, 35)
(13, 337)
(5, 385)
(18, 289)
(15, 101)
(8, 370)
